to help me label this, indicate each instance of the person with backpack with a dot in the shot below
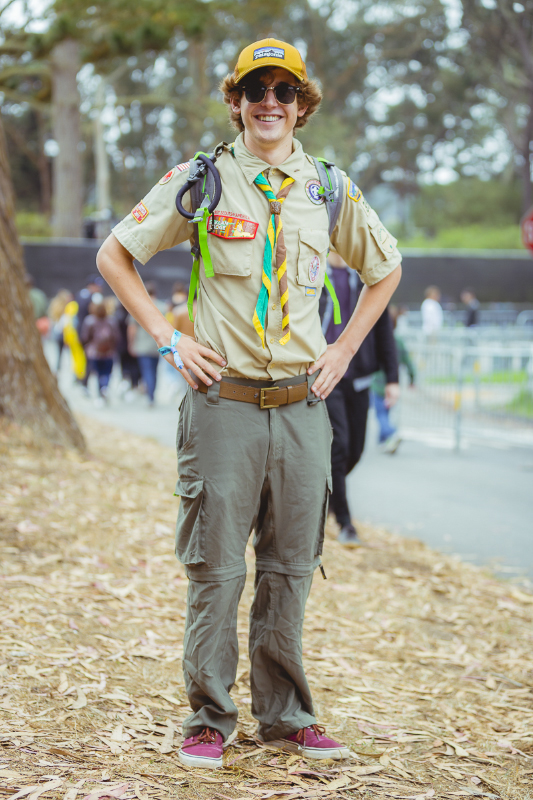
(254, 437)
(99, 335)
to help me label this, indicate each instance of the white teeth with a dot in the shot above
(268, 119)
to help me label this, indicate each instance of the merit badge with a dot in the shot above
(167, 177)
(311, 189)
(140, 212)
(314, 269)
(354, 192)
(183, 167)
(310, 291)
(227, 225)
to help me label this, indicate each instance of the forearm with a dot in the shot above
(116, 266)
(371, 304)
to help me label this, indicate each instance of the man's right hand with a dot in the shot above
(194, 357)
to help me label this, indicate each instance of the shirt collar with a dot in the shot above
(252, 166)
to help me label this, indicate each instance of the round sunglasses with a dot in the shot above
(285, 93)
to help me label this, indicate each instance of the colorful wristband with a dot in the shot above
(165, 351)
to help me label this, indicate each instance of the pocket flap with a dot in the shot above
(318, 240)
(188, 488)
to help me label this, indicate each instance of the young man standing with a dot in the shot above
(254, 438)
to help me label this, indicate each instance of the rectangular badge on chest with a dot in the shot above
(226, 225)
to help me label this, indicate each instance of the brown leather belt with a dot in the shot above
(267, 397)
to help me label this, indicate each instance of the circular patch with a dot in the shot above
(314, 269)
(311, 189)
(167, 177)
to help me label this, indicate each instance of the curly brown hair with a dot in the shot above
(310, 96)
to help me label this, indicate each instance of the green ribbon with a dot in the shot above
(336, 305)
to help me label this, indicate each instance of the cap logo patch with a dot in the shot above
(183, 167)
(354, 192)
(269, 52)
(140, 212)
(314, 269)
(227, 225)
(167, 177)
(311, 189)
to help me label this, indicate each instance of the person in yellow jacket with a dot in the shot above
(72, 340)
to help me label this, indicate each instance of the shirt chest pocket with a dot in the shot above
(312, 255)
(231, 239)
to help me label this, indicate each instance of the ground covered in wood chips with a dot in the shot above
(421, 664)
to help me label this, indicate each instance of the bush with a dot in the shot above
(31, 224)
(469, 237)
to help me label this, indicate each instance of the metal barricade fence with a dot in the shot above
(483, 391)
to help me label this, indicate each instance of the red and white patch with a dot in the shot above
(140, 212)
(167, 177)
(227, 225)
(183, 167)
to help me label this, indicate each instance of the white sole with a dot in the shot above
(336, 753)
(199, 761)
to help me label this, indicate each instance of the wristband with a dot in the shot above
(165, 351)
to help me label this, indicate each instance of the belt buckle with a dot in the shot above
(262, 397)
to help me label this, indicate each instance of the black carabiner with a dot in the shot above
(206, 165)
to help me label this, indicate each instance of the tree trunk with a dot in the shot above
(28, 391)
(43, 165)
(67, 170)
(101, 164)
(527, 189)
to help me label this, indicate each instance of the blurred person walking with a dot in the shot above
(93, 285)
(253, 437)
(389, 438)
(39, 303)
(99, 335)
(129, 364)
(58, 319)
(468, 297)
(432, 316)
(348, 402)
(142, 347)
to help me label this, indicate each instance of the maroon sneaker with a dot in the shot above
(312, 743)
(204, 749)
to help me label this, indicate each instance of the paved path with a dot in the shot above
(477, 503)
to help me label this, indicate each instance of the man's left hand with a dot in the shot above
(333, 365)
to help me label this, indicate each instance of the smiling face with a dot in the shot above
(269, 124)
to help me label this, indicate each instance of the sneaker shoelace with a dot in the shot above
(207, 736)
(318, 730)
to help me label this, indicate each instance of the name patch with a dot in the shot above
(269, 52)
(140, 212)
(227, 225)
(354, 192)
(311, 189)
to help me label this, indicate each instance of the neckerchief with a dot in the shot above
(274, 241)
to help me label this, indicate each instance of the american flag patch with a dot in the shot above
(140, 212)
(183, 167)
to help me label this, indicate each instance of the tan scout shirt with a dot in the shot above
(227, 301)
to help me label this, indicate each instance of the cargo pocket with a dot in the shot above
(189, 539)
(312, 256)
(320, 539)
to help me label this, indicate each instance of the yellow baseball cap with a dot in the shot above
(270, 53)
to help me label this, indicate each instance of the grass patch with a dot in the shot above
(469, 237)
(522, 404)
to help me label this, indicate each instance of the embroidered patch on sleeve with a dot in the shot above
(183, 167)
(227, 225)
(167, 177)
(140, 212)
(354, 192)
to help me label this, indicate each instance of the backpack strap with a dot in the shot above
(203, 192)
(331, 187)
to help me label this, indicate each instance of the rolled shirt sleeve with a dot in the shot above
(155, 223)
(362, 240)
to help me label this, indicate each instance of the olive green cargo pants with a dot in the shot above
(243, 468)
